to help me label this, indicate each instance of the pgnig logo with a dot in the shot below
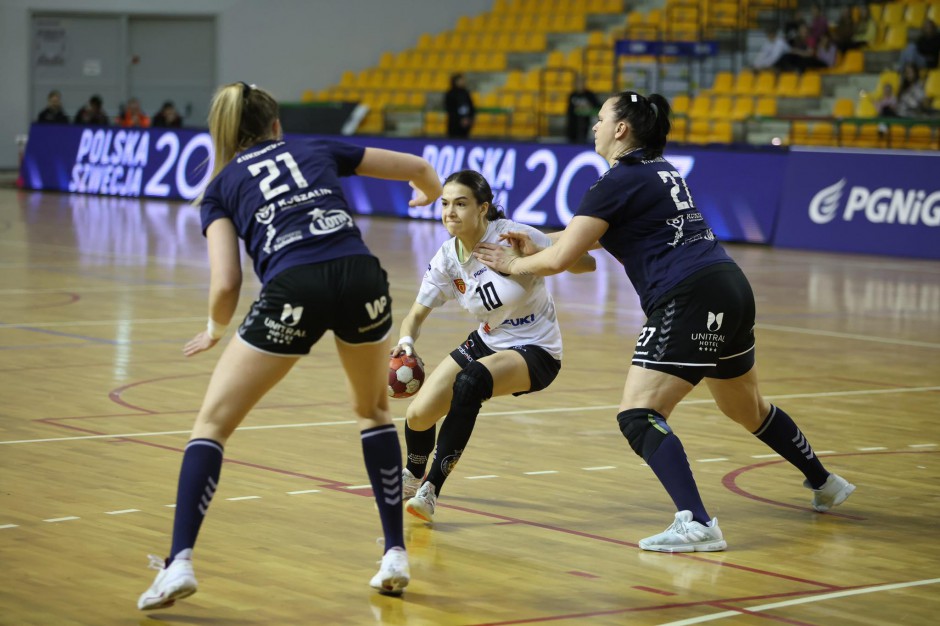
(884, 205)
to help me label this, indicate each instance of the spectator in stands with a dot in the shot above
(826, 51)
(92, 114)
(912, 97)
(887, 104)
(133, 116)
(460, 110)
(843, 33)
(583, 105)
(866, 29)
(818, 25)
(167, 116)
(802, 55)
(53, 113)
(774, 47)
(923, 51)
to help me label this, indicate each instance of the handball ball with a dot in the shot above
(405, 375)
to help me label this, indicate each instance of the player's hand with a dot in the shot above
(419, 198)
(405, 348)
(199, 343)
(495, 256)
(521, 242)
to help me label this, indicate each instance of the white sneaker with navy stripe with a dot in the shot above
(174, 582)
(833, 492)
(394, 574)
(687, 535)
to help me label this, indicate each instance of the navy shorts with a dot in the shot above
(703, 327)
(543, 367)
(348, 295)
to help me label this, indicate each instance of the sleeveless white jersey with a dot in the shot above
(512, 310)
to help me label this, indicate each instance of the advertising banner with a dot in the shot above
(862, 202)
(537, 184)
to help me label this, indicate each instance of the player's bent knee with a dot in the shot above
(474, 385)
(645, 429)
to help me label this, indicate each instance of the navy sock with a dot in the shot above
(671, 467)
(382, 454)
(784, 437)
(455, 435)
(420, 444)
(199, 478)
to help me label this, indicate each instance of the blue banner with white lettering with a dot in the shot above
(862, 202)
(535, 184)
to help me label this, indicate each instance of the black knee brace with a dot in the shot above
(474, 384)
(645, 429)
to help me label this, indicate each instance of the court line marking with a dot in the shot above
(540, 472)
(481, 477)
(715, 460)
(605, 407)
(852, 336)
(240, 498)
(5, 526)
(61, 519)
(297, 493)
(602, 467)
(815, 598)
(163, 320)
(122, 512)
(922, 445)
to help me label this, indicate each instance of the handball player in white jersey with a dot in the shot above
(515, 350)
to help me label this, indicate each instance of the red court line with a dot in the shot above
(726, 607)
(651, 590)
(729, 481)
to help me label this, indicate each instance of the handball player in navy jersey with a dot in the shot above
(284, 200)
(700, 314)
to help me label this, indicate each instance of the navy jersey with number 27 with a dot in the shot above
(285, 200)
(655, 231)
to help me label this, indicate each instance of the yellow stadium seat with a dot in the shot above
(843, 107)
(932, 86)
(799, 133)
(915, 14)
(892, 13)
(852, 62)
(848, 132)
(787, 84)
(870, 136)
(765, 83)
(744, 83)
(724, 83)
(766, 107)
(888, 77)
(865, 107)
(701, 105)
(680, 104)
(897, 136)
(933, 12)
(895, 38)
(822, 134)
(721, 108)
(679, 129)
(921, 137)
(699, 131)
(810, 85)
(721, 132)
(743, 108)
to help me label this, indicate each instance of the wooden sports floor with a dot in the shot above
(539, 523)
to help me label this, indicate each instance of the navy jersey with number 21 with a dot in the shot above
(285, 200)
(655, 230)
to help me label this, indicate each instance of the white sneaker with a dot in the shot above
(393, 575)
(833, 492)
(174, 582)
(409, 484)
(687, 535)
(423, 503)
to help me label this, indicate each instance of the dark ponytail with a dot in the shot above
(476, 183)
(648, 119)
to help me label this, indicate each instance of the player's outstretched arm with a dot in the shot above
(522, 243)
(379, 163)
(582, 232)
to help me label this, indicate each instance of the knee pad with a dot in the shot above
(645, 429)
(474, 384)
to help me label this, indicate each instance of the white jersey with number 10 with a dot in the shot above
(512, 310)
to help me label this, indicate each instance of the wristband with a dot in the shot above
(407, 341)
(215, 330)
